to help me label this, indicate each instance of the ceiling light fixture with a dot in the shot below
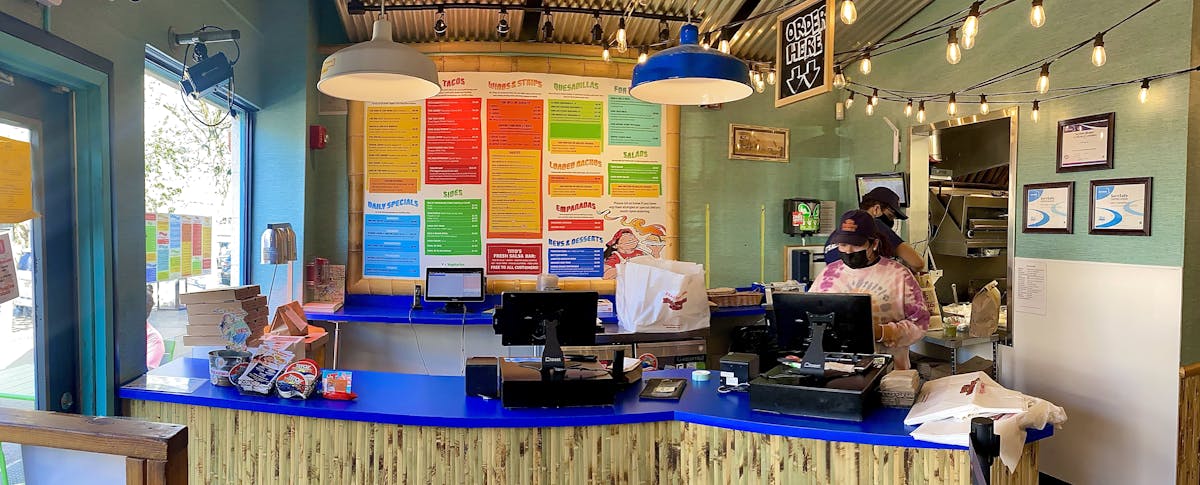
(379, 70)
(597, 30)
(502, 24)
(439, 25)
(548, 27)
(689, 74)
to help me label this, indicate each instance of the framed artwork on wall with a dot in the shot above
(1086, 143)
(748, 142)
(1049, 208)
(1120, 206)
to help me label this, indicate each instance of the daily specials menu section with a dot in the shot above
(517, 173)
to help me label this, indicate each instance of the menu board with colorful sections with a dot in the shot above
(177, 246)
(520, 174)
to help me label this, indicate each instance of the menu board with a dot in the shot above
(516, 173)
(177, 246)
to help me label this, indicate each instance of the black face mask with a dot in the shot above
(857, 259)
(886, 220)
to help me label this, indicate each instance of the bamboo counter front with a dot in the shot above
(423, 429)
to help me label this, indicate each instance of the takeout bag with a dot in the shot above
(655, 295)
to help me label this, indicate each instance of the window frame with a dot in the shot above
(244, 112)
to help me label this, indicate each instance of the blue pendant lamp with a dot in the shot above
(689, 74)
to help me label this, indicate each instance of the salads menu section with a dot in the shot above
(517, 173)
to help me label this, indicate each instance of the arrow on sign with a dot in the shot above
(807, 79)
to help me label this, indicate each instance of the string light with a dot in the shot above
(597, 30)
(870, 109)
(755, 76)
(1144, 92)
(984, 108)
(953, 53)
(622, 40)
(865, 64)
(760, 84)
(921, 112)
(502, 24)
(643, 53)
(1099, 57)
(908, 109)
(724, 46)
(849, 13)
(439, 26)
(952, 106)
(968, 41)
(664, 31)
(548, 27)
(605, 55)
(771, 77)
(971, 25)
(1035, 114)
(875, 97)
(839, 79)
(1043, 82)
(850, 100)
(707, 44)
(1037, 14)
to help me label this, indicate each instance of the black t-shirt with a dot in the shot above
(831, 251)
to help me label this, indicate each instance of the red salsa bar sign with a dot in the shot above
(514, 259)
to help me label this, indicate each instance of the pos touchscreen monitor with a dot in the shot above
(454, 286)
(851, 330)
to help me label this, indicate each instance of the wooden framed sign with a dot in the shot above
(1086, 143)
(804, 51)
(1050, 208)
(1121, 206)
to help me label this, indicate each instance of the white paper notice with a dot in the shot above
(1031, 287)
(8, 270)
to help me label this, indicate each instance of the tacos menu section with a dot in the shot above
(516, 173)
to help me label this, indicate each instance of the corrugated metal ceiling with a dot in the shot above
(754, 40)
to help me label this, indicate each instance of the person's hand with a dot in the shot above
(901, 334)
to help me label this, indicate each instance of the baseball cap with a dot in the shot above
(856, 227)
(885, 196)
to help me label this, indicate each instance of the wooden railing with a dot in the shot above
(155, 453)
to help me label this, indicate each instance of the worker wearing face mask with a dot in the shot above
(898, 312)
(884, 205)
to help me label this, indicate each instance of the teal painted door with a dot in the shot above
(39, 331)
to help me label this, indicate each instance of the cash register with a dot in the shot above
(551, 319)
(838, 375)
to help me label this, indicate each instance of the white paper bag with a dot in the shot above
(655, 295)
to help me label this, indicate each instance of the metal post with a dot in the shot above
(984, 448)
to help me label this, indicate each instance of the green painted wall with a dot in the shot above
(329, 195)
(735, 190)
(1150, 138)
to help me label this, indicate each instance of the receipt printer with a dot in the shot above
(743, 366)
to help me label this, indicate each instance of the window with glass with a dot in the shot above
(196, 203)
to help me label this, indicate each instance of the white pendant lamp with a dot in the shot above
(379, 70)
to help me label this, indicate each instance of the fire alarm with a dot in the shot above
(317, 137)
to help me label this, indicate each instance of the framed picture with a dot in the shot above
(1050, 208)
(747, 142)
(1120, 206)
(1086, 143)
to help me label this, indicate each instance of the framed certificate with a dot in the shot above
(1050, 208)
(1121, 206)
(1086, 143)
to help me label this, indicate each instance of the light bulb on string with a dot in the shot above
(850, 100)
(1035, 114)
(1144, 92)
(952, 106)
(984, 107)
(771, 76)
(502, 24)
(870, 109)
(953, 52)
(875, 97)
(622, 39)
(908, 109)
(707, 44)
(971, 25)
(968, 41)
(643, 54)
(605, 54)
(1037, 14)
(760, 84)
(597, 30)
(548, 26)
(664, 31)
(1043, 82)
(755, 76)
(848, 12)
(839, 79)
(723, 46)
(921, 112)
(1099, 57)
(864, 65)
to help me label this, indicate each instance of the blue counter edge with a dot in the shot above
(659, 411)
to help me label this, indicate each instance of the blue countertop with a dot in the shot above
(422, 400)
(396, 309)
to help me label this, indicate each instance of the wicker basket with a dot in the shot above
(741, 298)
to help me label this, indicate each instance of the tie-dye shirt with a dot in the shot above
(895, 294)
